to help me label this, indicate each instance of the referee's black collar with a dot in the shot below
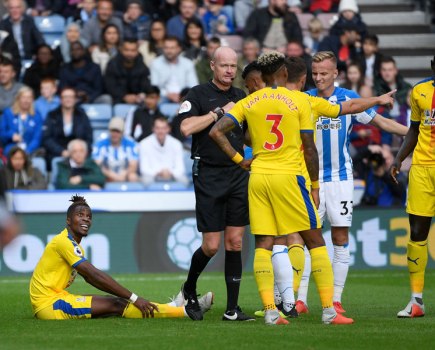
(215, 87)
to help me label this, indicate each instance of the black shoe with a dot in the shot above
(192, 307)
(280, 306)
(292, 313)
(236, 315)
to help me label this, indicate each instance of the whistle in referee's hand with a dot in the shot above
(195, 166)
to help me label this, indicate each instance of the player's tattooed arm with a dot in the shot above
(311, 156)
(217, 133)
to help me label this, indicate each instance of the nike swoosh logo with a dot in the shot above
(212, 99)
(231, 318)
(274, 319)
(236, 279)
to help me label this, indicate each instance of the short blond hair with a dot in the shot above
(16, 109)
(315, 25)
(323, 56)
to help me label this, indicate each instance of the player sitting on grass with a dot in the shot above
(63, 258)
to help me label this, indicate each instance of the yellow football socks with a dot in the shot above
(165, 311)
(417, 261)
(321, 269)
(297, 258)
(263, 272)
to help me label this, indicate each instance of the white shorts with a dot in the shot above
(336, 203)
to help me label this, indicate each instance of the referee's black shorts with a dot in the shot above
(221, 197)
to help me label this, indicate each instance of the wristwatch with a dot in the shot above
(219, 112)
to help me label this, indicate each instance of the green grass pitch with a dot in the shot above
(371, 297)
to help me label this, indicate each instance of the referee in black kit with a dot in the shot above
(221, 186)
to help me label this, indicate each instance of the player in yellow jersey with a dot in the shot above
(63, 258)
(280, 123)
(421, 190)
(293, 244)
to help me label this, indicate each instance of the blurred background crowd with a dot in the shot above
(90, 90)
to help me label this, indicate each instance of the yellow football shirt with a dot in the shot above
(55, 270)
(423, 112)
(276, 116)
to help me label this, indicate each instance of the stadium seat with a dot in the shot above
(51, 27)
(54, 171)
(100, 134)
(99, 114)
(166, 186)
(40, 164)
(122, 109)
(124, 186)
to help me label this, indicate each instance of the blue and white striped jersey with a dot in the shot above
(332, 138)
(115, 158)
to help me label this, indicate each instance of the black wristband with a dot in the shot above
(219, 112)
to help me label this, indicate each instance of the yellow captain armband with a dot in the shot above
(315, 184)
(237, 158)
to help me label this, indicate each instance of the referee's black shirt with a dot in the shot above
(200, 100)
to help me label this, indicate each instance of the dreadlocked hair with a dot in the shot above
(270, 62)
(76, 201)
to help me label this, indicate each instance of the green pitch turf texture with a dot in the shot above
(372, 298)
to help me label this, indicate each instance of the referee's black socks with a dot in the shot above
(198, 264)
(233, 276)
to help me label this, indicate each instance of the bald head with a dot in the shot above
(224, 53)
(224, 67)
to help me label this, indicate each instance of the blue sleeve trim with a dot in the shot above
(79, 262)
(234, 119)
(340, 108)
(308, 131)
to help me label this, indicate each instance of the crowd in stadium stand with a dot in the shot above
(144, 56)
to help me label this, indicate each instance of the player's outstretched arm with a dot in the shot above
(217, 133)
(106, 283)
(405, 150)
(193, 125)
(389, 125)
(357, 105)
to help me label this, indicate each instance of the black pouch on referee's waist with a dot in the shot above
(195, 166)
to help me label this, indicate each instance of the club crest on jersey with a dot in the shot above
(429, 117)
(78, 251)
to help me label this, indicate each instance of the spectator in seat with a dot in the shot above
(48, 100)
(93, 27)
(161, 155)
(153, 47)
(23, 28)
(44, 7)
(126, 75)
(79, 171)
(9, 49)
(71, 34)
(354, 78)
(19, 173)
(216, 20)
(45, 65)
(195, 43)
(175, 25)
(348, 13)
(202, 67)
(370, 58)
(314, 36)
(83, 75)
(172, 72)
(82, 13)
(344, 46)
(136, 23)
(273, 26)
(250, 51)
(390, 79)
(144, 115)
(110, 42)
(117, 155)
(8, 85)
(63, 124)
(20, 125)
